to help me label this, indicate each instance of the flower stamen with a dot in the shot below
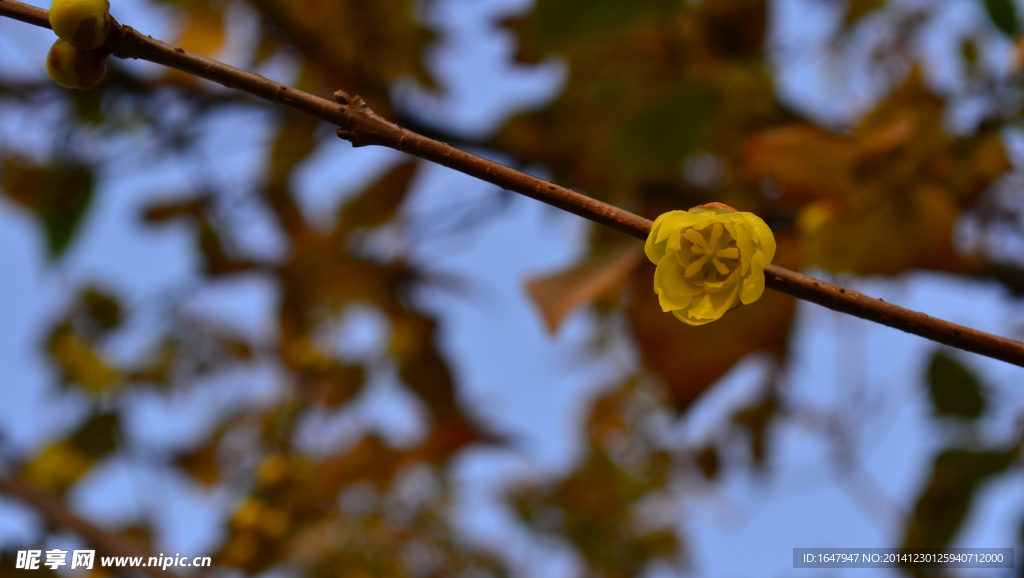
(716, 234)
(710, 251)
(700, 244)
(695, 267)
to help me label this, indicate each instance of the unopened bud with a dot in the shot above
(83, 23)
(72, 67)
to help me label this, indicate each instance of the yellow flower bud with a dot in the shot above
(71, 67)
(710, 259)
(84, 23)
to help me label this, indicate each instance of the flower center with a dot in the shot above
(712, 249)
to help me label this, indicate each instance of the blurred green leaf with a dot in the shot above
(557, 22)
(102, 308)
(946, 499)
(594, 507)
(89, 103)
(755, 419)
(58, 194)
(1003, 15)
(98, 436)
(954, 390)
(969, 50)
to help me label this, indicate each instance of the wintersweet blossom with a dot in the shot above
(710, 259)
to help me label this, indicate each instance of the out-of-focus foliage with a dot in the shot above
(556, 296)
(669, 104)
(896, 184)
(1003, 15)
(60, 464)
(954, 390)
(944, 503)
(57, 194)
(600, 507)
(959, 471)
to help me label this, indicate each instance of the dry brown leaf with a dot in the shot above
(559, 294)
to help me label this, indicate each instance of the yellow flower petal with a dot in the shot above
(744, 242)
(764, 235)
(718, 286)
(753, 284)
(708, 309)
(665, 225)
(690, 321)
(674, 290)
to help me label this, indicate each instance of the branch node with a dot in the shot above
(342, 97)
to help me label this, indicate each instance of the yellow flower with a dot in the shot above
(83, 23)
(710, 259)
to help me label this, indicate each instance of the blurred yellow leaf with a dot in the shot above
(56, 467)
(887, 238)
(883, 199)
(78, 361)
(203, 34)
(62, 463)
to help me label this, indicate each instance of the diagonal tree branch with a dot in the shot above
(360, 125)
(104, 542)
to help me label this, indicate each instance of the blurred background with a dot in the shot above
(226, 332)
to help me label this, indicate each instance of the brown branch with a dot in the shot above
(363, 127)
(104, 542)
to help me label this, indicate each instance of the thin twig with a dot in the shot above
(105, 543)
(360, 125)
